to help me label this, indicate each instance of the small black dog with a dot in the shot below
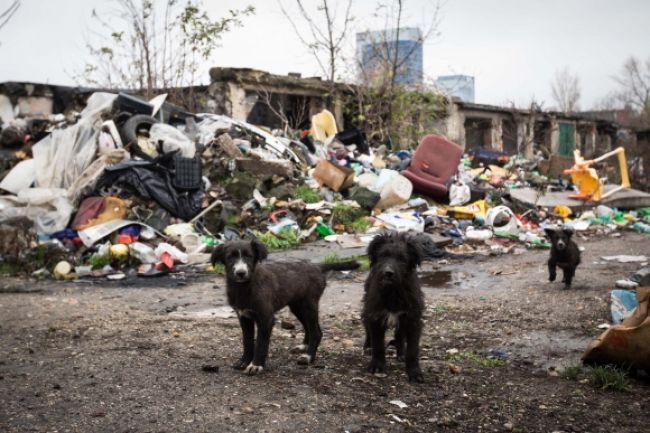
(393, 298)
(257, 290)
(564, 253)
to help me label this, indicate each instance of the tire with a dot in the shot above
(138, 122)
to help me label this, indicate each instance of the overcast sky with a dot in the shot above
(512, 47)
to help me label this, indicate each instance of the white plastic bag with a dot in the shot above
(459, 193)
(176, 254)
(49, 208)
(172, 139)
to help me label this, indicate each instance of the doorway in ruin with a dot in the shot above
(509, 136)
(567, 138)
(276, 110)
(477, 132)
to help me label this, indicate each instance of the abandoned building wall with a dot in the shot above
(246, 94)
(451, 124)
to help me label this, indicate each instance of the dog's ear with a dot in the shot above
(260, 250)
(550, 233)
(416, 255)
(373, 248)
(218, 254)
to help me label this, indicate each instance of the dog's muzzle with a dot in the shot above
(388, 273)
(561, 245)
(240, 271)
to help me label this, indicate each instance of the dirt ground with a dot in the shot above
(129, 356)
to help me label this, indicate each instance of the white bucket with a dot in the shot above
(396, 191)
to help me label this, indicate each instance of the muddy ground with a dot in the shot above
(129, 356)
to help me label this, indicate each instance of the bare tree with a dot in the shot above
(8, 13)
(610, 101)
(391, 110)
(634, 84)
(291, 116)
(146, 45)
(565, 89)
(326, 33)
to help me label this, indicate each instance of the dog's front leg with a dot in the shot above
(551, 269)
(412, 329)
(568, 276)
(264, 328)
(367, 349)
(248, 339)
(399, 342)
(377, 334)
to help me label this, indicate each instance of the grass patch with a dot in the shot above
(346, 214)
(610, 377)
(335, 258)
(307, 194)
(98, 262)
(477, 359)
(360, 224)
(232, 220)
(219, 268)
(572, 372)
(364, 262)
(439, 309)
(286, 240)
(9, 269)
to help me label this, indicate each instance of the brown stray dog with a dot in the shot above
(257, 289)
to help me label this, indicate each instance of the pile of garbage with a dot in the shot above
(135, 187)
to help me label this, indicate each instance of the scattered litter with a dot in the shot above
(399, 403)
(623, 258)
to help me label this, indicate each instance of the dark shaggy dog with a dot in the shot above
(257, 290)
(564, 253)
(393, 298)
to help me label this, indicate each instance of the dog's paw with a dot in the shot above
(567, 286)
(377, 366)
(241, 364)
(551, 278)
(253, 369)
(415, 375)
(301, 348)
(305, 359)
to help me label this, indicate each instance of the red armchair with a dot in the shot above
(434, 161)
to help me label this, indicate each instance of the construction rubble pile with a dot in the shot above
(131, 188)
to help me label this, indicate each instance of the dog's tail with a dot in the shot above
(340, 266)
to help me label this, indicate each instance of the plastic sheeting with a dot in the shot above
(62, 156)
(48, 208)
(87, 180)
(172, 139)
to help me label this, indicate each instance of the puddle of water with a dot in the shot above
(435, 278)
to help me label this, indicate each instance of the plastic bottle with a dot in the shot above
(641, 227)
(323, 230)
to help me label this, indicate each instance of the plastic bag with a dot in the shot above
(172, 140)
(459, 193)
(62, 156)
(174, 252)
(143, 252)
(48, 208)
